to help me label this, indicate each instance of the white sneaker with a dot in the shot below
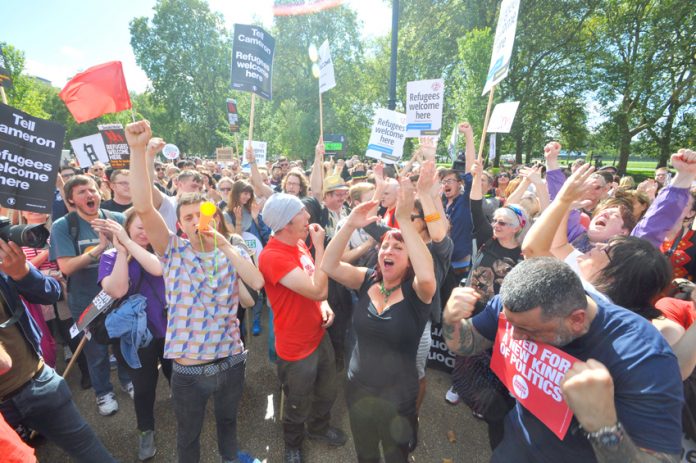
(451, 396)
(107, 404)
(129, 389)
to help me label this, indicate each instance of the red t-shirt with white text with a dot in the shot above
(296, 319)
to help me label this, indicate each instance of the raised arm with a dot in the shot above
(539, 240)
(470, 146)
(260, 189)
(424, 283)
(459, 332)
(316, 287)
(428, 193)
(345, 273)
(316, 179)
(138, 134)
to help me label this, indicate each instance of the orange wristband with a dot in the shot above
(434, 217)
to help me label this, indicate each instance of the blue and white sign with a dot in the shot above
(502, 45)
(424, 101)
(387, 137)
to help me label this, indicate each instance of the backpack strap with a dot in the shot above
(74, 229)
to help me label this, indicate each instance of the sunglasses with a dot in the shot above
(501, 223)
(159, 169)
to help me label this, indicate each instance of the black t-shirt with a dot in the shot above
(112, 205)
(384, 357)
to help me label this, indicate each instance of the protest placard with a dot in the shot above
(454, 141)
(116, 145)
(232, 116)
(335, 145)
(171, 151)
(89, 150)
(99, 304)
(502, 117)
(30, 150)
(439, 357)
(491, 145)
(254, 244)
(260, 148)
(533, 372)
(502, 44)
(224, 154)
(327, 80)
(387, 138)
(424, 101)
(252, 60)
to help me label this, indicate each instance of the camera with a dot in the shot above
(31, 236)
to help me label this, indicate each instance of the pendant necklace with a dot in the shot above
(386, 292)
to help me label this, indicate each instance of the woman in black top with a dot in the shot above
(394, 304)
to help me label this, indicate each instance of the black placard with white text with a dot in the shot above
(252, 60)
(116, 146)
(30, 150)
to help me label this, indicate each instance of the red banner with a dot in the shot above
(533, 372)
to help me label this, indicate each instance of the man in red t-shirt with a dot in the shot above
(297, 289)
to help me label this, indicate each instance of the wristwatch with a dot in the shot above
(607, 437)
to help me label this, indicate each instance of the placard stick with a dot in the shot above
(3, 94)
(321, 117)
(251, 118)
(485, 124)
(76, 354)
(133, 113)
(236, 143)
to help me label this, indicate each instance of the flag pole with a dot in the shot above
(251, 118)
(485, 124)
(132, 113)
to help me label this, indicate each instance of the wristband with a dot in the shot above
(434, 217)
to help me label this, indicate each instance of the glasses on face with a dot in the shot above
(448, 181)
(291, 184)
(503, 175)
(99, 169)
(501, 223)
(605, 248)
(159, 169)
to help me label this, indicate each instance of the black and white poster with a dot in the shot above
(252, 60)
(30, 150)
(232, 116)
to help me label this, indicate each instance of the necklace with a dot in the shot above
(387, 292)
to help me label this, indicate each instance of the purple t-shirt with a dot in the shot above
(151, 287)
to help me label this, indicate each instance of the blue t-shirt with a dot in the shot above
(647, 388)
(461, 226)
(82, 284)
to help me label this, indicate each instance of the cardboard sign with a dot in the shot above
(30, 150)
(89, 150)
(252, 60)
(387, 137)
(424, 101)
(502, 117)
(115, 144)
(5, 80)
(260, 149)
(224, 154)
(232, 116)
(502, 45)
(327, 79)
(532, 372)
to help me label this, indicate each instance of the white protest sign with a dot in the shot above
(491, 143)
(387, 137)
(327, 80)
(89, 150)
(260, 148)
(170, 151)
(502, 117)
(502, 45)
(253, 243)
(424, 101)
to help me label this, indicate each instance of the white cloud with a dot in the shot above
(72, 53)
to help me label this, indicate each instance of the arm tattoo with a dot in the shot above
(628, 451)
(464, 336)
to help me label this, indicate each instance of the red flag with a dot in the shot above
(98, 90)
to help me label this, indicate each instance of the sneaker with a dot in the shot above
(256, 328)
(128, 388)
(332, 436)
(293, 455)
(112, 362)
(147, 448)
(107, 404)
(451, 397)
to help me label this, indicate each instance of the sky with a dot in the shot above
(63, 37)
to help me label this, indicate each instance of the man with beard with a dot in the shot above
(625, 389)
(76, 247)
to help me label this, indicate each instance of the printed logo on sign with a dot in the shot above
(437, 86)
(520, 387)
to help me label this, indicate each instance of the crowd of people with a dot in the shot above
(355, 262)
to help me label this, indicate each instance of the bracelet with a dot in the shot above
(434, 217)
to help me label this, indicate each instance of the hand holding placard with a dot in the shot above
(588, 389)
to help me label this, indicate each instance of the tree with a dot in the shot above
(27, 93)
(185, 51)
